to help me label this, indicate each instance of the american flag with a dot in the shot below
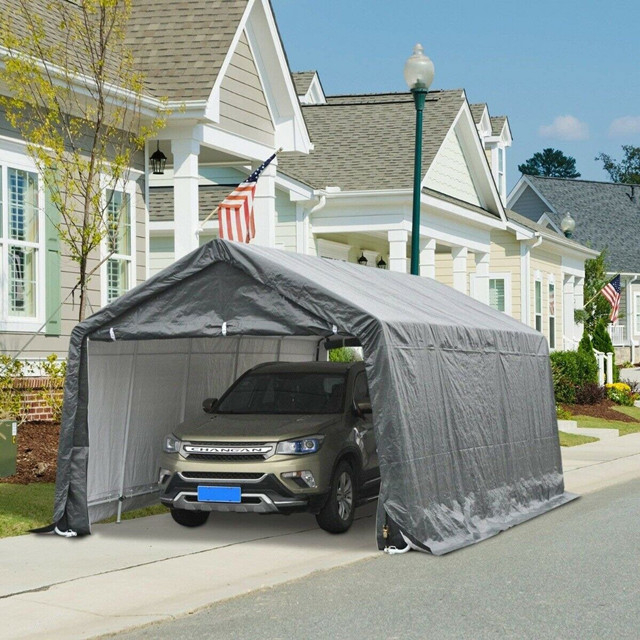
(235, 213)
(611, 291)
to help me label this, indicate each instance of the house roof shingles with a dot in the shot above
(209, 197)
(179, 45)
(606, 216)
(366, 142)
(302, 81)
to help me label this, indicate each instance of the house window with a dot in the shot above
(119, 244)
(538, 302)
(552, 315)
(497, 294)
(636, 315)
(20, 239)
(501, 184)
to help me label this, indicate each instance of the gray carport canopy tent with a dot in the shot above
(462, 396)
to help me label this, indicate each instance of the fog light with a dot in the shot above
(305, 476)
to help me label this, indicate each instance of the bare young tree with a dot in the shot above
(75, 97)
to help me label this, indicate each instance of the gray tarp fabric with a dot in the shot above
(462, 396)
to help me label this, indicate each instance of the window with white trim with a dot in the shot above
(20, 243)
(636, 313)
(552, 315)
(501, 181)
(119, 243)
(538, 305)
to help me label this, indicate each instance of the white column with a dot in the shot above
(568, 308)
(525, 284)
(578, 303)
(459, 255)
(481, 284)
(398, 249)
(428, 258)
(185, 195)
(264, 207)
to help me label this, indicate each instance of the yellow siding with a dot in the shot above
(444, 268)
(505, 258)
(547, 264)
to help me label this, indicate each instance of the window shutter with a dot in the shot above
(52, 269)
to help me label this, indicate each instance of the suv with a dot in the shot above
(285, 437)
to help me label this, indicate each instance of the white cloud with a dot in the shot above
(625, 126)
(565, 128)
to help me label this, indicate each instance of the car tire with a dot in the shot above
(189, 518)
(337, 514)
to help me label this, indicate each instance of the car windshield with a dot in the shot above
(285, 393)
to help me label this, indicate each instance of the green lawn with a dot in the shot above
(27, 506)
(597, 423)
(24, 507)
(573, 439)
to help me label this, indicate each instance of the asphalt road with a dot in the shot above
(572, 574)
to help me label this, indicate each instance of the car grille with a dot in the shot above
(217, 475)
(224, 458)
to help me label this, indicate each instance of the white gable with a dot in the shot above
(449, 172)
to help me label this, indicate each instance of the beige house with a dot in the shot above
(340, 189)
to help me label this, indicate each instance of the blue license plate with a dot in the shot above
(219, 494)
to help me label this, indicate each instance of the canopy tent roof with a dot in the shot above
(462, 397)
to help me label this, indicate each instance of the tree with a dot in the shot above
(76, 99)
(552, 163)
(596, 307)
(627, 170)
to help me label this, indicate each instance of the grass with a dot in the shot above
(624, 428)
(573, 439)
(28, 506)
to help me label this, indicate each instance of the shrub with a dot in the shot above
(602, 342)
(56, 371)
(633, 385)
(11, 404)
(571, 370)
(343, 354)
(590, 393)
(586, 347)
(562, 413)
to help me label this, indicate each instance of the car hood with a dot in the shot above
(220, 427)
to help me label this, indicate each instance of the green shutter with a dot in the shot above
(52, 268)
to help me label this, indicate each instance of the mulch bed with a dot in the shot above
(37, 453)
(601, 410)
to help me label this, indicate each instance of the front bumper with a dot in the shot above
(260, 494)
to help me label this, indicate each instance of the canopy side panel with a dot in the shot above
(466, 431)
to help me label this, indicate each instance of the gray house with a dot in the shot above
(606, 216)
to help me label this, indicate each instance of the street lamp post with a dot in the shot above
(418, 73)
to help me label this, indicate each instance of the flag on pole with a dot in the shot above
(235, 212)
(611, 291)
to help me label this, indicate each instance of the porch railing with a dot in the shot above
(616, 331)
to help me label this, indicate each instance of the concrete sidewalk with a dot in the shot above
(149, 570)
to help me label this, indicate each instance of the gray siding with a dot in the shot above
(529, 205)
(243, 108)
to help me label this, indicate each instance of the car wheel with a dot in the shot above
(189, 518)
(337, 514)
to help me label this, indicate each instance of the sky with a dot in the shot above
(566, 73)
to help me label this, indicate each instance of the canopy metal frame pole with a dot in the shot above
(185, 382)
(126, 431)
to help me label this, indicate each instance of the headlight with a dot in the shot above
(171, 444)
(298, 447)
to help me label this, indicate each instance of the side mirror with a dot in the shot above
(209, 405)
(362, 408)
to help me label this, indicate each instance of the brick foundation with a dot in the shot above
(36, 407)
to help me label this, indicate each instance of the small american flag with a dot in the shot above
(235, 213)
(611, 291)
